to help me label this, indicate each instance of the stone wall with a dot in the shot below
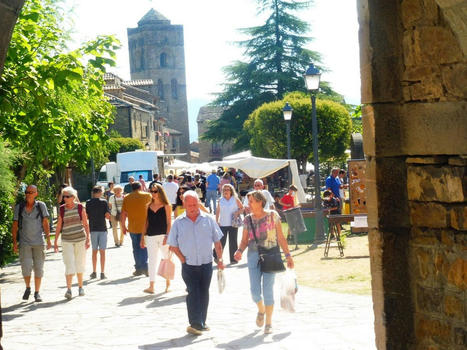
(414, 87)
(437, 193)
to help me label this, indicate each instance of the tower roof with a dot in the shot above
(153, 17)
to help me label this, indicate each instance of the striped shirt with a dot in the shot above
(72, 229)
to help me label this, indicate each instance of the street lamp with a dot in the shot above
(312, 78)
(287, 111)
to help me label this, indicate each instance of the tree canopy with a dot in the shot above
(276, 59)
(266, 127)
(52, 104)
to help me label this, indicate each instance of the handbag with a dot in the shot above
(167, 268)
(237, 220)
(118, 211)
(270, 259)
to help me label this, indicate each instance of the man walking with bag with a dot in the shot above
(31, 221)
(191, 238)
(135, 207)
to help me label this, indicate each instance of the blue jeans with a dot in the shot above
(140, 254)
(197, 280)
(260, 279)
(211, 195)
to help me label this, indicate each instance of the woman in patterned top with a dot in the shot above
(73, 226)
(268, 230)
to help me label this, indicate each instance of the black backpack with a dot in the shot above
(22, 205)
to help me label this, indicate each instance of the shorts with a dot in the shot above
(98, 240)
(32, 257)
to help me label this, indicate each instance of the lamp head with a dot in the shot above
(287, 110)
(312, 78)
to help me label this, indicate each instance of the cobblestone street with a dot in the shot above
(116, 314)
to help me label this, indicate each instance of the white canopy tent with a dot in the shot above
(177, 164)
(256, 167)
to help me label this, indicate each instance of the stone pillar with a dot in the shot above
(414, 87)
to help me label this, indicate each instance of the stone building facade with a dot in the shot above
(209, 151)
(136, 114)
(157, 52)
(414, 87)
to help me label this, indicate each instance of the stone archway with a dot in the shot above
(414, 87)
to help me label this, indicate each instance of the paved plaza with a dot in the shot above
(116, 314)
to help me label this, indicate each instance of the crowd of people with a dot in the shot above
(189, 216)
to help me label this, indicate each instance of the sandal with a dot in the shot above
(268, 329)
(149, 291)
(260, 319)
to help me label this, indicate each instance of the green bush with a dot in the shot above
(7, 185)
(122, 144)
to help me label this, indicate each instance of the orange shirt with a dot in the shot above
(136, 206)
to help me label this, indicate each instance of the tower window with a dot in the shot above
(163, 59)
(160, 89)
(174, 87)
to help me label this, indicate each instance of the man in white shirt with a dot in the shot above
(171, 189)
(258, 185)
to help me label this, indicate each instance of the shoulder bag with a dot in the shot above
(118, 210)
(270, 259)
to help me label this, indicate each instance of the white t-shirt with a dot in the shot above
(171, 189)
(227, 208)
(269, 200)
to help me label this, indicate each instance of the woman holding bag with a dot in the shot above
(262, 228)
(229, 206)
(158, 224)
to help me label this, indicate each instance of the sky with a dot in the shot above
(210, 29)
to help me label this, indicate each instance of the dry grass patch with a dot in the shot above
(349, 274)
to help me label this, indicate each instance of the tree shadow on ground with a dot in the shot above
(10, 278)
(135, 300)
(10, 317)
(253, 340)
(186, 340)
(167, 301)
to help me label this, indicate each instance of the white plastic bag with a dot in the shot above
(220, 280)
(289, 288)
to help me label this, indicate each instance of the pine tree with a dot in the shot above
(277, 59)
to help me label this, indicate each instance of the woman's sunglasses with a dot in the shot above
(154, 191)
(66, 196)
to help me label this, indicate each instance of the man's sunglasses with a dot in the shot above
(29, 192)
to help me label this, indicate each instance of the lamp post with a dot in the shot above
(287, 111)
(312, 78)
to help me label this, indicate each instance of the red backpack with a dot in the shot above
(80, 211)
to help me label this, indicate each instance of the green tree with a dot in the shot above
(123, 144)
(356, 115)
(52, 104)
(276, 61)
(7, 186)
(267, 129)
